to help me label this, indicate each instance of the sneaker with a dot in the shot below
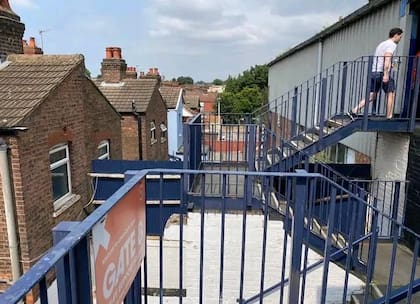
(351, 115)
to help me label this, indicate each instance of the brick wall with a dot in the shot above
(156, 111)
(113, 70)
(74, 112)
(11, 34)
(130, 137)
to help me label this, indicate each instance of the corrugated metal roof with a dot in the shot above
(353, 17)
(121, 95)
(170, 95)
(26, 80)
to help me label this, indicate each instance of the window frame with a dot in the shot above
(65, 161)
(153, 138)
(107, 155)
(163, 132)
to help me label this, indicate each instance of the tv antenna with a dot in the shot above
(41, 33)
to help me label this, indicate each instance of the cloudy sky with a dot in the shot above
(204, 39)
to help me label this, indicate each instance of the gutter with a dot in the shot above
(9, 208)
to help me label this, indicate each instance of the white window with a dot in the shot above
(60, 172)
(163, 132)
(153, 132)
(103, 149)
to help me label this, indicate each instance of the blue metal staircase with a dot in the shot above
(313, 117)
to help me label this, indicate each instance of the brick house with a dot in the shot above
(53, 122)
(143, 110)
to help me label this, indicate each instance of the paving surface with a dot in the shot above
(231, 274)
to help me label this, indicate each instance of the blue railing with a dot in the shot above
(310, 108)
(240, 256)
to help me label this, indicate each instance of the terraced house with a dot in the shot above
(143, 110)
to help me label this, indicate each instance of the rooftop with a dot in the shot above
(121, 95)
(27, 80)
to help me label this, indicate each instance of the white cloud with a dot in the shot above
(23, 3)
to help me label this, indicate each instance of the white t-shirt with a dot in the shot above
(387, 46)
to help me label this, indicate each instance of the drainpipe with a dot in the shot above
(9, 208)
(136, 114)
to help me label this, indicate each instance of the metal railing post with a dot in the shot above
(251, 148)
(297, 237)
(367, 94)
(73, 272)
(294, 113)
(323, 101)
(415, 96)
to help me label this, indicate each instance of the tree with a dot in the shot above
(217, 81)
(246, 92)
(185, 80)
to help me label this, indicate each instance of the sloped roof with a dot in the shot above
(26, 80)
(209, 97)
(170, 95)
(192, 101)
(121, 95)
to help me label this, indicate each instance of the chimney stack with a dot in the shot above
(153, 73)
(11, 31)
(131, 73)
(30, 48)
(114, 68)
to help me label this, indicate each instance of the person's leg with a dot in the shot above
(375, 85)
(362, 103)
(389, 88)
(390, 105)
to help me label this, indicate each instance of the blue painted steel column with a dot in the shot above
(297, 237)
(367, 94)
(415, 97)
(251, 148)
(73, 272)
(343, 87)
(186, 142)
(322, 109)
(294, 113)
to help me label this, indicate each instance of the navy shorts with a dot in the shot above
(376, 83)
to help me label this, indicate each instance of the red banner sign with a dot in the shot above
(119, 246)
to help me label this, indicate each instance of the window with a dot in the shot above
(163, 132)
(153, 132)
(103, 149)
(60, 171)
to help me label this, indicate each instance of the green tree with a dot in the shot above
(246, 92)
(185, 80)
(217, 81)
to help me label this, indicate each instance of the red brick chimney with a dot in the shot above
(113, 67)
(152, 73)
(131, 73)
(11, 31)
(5, 6)
(31, 48)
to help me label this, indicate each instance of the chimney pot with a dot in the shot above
(155, 71)
(142, 74)
(24, 42)
(108, 53)
(150, 71)
(116, 53)
(4, 5)
(32, 43)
